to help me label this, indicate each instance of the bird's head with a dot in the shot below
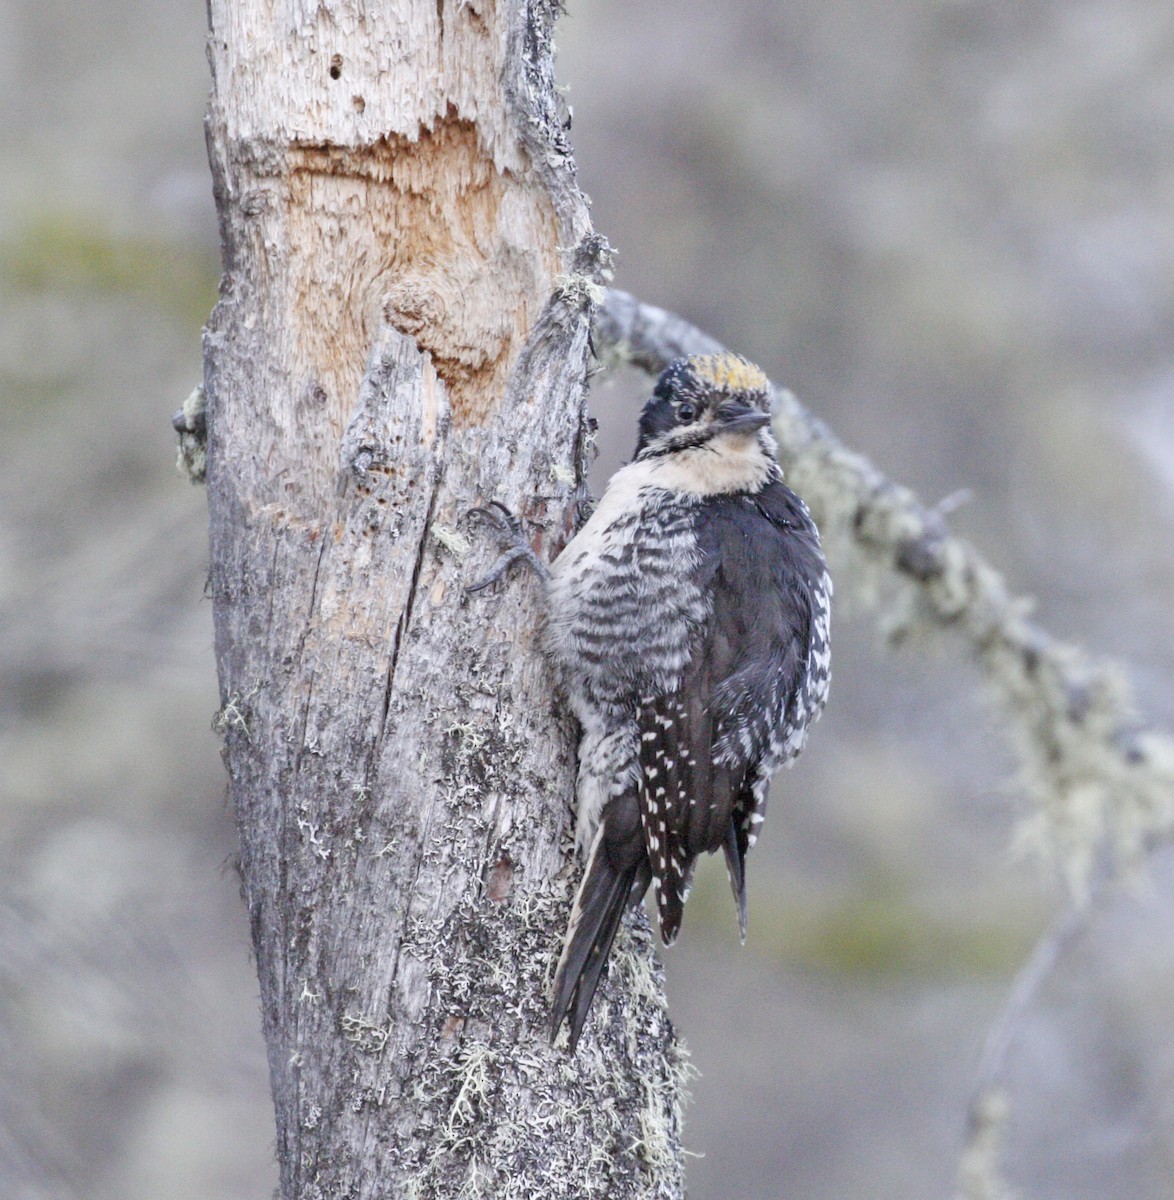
(706, 403)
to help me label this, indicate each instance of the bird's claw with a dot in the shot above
(499, 568)
(499, 516)
(513, 536)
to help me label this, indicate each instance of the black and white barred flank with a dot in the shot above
(689, 620)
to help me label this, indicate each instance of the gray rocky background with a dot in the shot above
(949, 227)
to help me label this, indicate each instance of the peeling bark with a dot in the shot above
(399, 337)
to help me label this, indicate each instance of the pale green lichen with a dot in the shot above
(369, 1036)
(469, 737)
(311, 833)
(508, 1116)
(519, 1118)
(190, 423)
(453, 541)
(472, 1069)
(233, 714)
(579, 291)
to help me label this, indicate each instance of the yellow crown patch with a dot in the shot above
(730, 372)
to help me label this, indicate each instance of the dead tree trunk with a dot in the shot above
(409, 273)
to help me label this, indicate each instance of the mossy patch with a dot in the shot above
(878, 927)
(72, 253)
(887, 934)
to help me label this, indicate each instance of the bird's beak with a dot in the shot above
(735, 417)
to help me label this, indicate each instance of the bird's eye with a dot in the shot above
(686, 412)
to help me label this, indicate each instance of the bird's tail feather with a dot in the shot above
(736, 866)
(600, 903)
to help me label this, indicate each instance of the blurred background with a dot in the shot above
(949, 227)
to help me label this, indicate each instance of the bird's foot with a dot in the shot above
(516, 545)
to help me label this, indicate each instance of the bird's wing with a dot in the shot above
(707, 747)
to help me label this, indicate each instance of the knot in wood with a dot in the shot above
(414, 304)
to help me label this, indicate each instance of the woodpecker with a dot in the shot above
(688, 623)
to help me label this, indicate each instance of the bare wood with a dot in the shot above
(399, 337)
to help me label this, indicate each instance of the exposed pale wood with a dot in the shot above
(399, 337)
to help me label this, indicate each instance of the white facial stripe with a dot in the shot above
(726, 463)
